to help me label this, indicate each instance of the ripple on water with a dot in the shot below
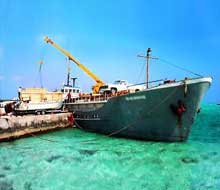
(2, 175)
(28, 186)
(6, 185)
(53, 158)
(83, 160)
(87, 152)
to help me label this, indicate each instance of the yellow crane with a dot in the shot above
(99, 82)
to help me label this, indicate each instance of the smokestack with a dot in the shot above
(74, 81)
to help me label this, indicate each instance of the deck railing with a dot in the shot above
(88, 98)
(104, 97)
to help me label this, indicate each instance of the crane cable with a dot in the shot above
(39, 74)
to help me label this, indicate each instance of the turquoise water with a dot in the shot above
(80, 160)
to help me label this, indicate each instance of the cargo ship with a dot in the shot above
(163, 111)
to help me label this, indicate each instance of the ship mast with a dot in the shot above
(147, 57)
(147, 69)
(68, 72)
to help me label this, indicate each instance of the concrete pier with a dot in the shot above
(12, 127)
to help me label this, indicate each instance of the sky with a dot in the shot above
(106, 36)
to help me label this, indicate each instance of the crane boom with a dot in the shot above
(99, 82)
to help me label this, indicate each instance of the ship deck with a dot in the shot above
(159, 84)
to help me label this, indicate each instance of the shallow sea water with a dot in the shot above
(80, 160)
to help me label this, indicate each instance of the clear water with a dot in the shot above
(80, 160)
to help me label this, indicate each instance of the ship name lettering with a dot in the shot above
(135, 98)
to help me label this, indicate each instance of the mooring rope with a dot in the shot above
(49, 140)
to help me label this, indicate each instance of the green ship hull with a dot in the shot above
(162, 113)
